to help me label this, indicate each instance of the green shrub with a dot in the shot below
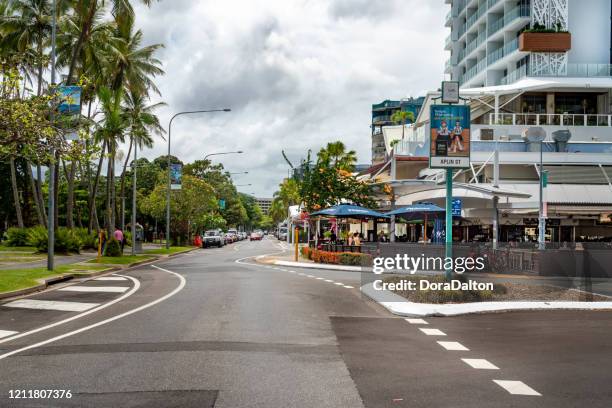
(355, 259)
(66, 240)
(113, 248)
(88, 240)
(17, 237)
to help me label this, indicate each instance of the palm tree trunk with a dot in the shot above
(93, 216)
(70, 198)
(81, 40)
(35, 195)
(16, 193)
(127, 158)
(40, 64)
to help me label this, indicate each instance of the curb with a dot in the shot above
(344, 268)
(399, 306)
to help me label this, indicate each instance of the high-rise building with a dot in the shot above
(381, 117)
(500, 42)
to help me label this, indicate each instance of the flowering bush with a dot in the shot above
(338, 258)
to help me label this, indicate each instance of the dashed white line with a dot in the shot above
(51, 305)
(310, 276)
(329, 281)
(416, 321)
(433, 332)
(349, 287)
(320, 278)
(516, 387)
(339, 283)
(453, 346)
(109, 289)
(5, 333)
(479, 364)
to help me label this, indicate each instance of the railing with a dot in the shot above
(447, 42)
(502, 52)
(514, 76)
(572, 70)
(449, 17)
(448, 65)
(475, 43)
(537, 119)
(470, 73)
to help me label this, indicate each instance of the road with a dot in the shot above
(213, 328)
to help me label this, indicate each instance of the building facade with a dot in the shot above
(381, 117)
(264, 204)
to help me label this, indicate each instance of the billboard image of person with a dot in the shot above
(450, 136)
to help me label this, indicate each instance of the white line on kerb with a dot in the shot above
(517, 387)
(112, 302)
(111, 319)
(50, 305)
(109, 289)
(5, 333)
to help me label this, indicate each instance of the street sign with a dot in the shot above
(176, 176)
(449, 137)
(457, 207)
(450, 92)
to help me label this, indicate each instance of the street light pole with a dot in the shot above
(541, 220)
(134, 167)
(169, 139)
(51, 210)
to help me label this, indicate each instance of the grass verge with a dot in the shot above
(164, 251)
(4, 248)
(14, 279)
(120, 260)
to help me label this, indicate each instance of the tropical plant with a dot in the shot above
(401, 117)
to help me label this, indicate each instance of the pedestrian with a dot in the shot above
(332, 237)
(356, 239)
(102, 236)
(119, 237)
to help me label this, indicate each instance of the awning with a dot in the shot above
(349, 211)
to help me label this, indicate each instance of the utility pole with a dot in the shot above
(51, 210)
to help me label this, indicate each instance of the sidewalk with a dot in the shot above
(289, 260)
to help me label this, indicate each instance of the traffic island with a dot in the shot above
(433, 296)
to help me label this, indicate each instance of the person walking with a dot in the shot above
(119, 237)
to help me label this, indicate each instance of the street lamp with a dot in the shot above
(51, 210)
(169, 139)
(217, 154)
(240, 172)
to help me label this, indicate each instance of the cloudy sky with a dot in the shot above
(296, 74)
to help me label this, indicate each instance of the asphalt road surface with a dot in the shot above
(213, 328)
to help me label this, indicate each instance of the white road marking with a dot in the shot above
(416, 321)
(51, 305)
(103, 322)
(479, 364)
(339, 283)
(109, 289)
(302, 274)
(5, 333)
(310, 276)
(90, 311)
(329, 281)
(453, 346)
(349, 287)
(516, 387)
(433, 332)
(320, 278)
(110, 278)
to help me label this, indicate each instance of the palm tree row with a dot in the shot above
(106, 57)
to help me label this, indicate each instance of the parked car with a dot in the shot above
(282, 233)
(229, 238)
(213, 238)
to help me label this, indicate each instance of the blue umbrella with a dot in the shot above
(415, 211)
(349, 211)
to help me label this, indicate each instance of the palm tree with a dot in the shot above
(111, 133)
(141, 124)
(337, 156)
(401, 117)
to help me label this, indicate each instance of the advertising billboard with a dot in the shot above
(176, 175)
(450, 136)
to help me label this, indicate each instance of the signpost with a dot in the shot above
(449, 147)
(176, 176)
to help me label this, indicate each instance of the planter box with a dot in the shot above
(545, 42)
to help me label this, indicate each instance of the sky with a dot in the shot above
(297, 74)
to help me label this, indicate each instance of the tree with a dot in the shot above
(329, 182)
(400, 117)
(287, 195)
(192, 208)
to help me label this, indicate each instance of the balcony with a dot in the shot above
(572, 71)
(473, 45)
(508, 18)
(448, 66)
(502, 52)
(448, 42)
(540, 119)
(471, 73)
(448, 21)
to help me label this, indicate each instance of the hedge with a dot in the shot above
(338, 258)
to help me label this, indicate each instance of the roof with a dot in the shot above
(534, 84)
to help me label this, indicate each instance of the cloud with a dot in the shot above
(296, 74)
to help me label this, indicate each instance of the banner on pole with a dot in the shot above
(176, 176)
(70, 99)
(450, 137)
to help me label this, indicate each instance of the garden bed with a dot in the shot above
(502, 292)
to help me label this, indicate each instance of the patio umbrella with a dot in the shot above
(349, 211)
(418, 211)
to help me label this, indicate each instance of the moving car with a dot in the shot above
(256, 236)
(213, 238)
(282, 233)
